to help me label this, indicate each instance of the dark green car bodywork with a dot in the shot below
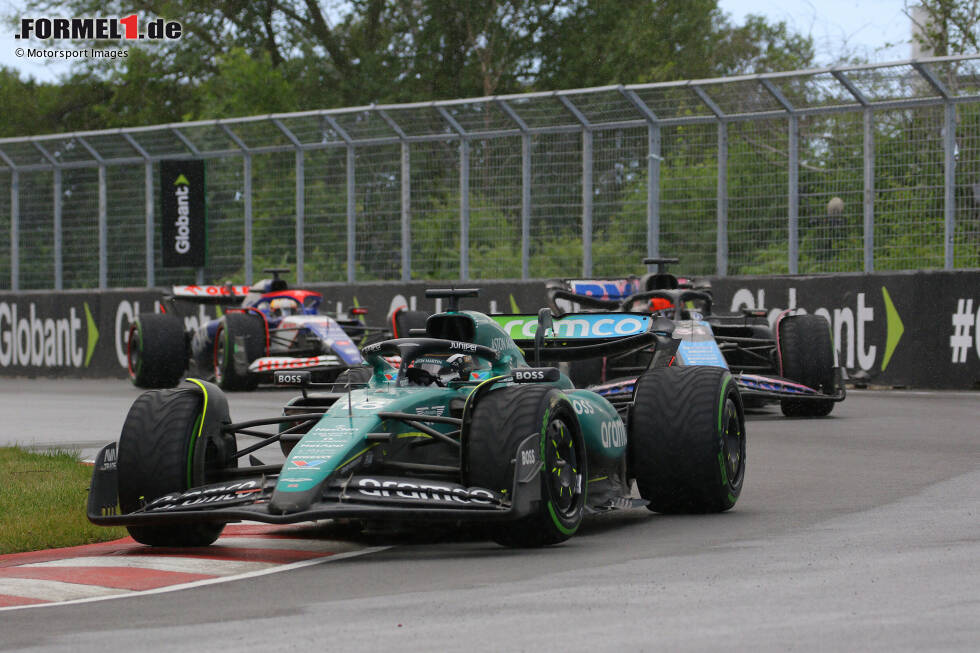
(398, 449)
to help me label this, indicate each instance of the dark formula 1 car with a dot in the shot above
(264, 328)
(463, 429)
(793, 363)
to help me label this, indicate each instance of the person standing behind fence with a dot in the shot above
(831, 231)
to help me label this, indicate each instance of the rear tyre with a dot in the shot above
(233, 330)
(806, 354)
(687, 439)
(156, 350)
(501, 421)
(160, 450)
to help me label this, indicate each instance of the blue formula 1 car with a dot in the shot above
(793, 362)
(463, 429)
(261, 329)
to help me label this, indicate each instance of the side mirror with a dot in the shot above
(545, 322)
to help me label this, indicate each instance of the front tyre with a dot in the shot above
(501, 421)
(163, 449)
(806, 355)
(242, 335)
(156, 350)
(687, 439)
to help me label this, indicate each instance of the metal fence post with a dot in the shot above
(148, 198)
(721, 223)
(587, 190)
(300, 216)
(58, 240)
(587, 184)
(869, 190)
(300, 171)
(525, 205)
(721, 254)
(406, 202)
(949, 186)
(464, 193)
(653, 171)
(868, 151)
(653, 190)
(247, 173)
(351, 196)
(464, 208)
(794, 194)
(949, 163)
(351, 216)
(103, 230)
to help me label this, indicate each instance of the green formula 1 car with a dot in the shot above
(463, 429)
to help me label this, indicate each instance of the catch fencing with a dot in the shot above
(849, 169)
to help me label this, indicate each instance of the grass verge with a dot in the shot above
(42, 502)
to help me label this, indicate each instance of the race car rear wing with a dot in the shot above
(227, 294)
(679, 299)
(577, 336)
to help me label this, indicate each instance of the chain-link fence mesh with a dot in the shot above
(689, 196)
(325, 222)
(495, 208)
(37, 230)
(872, 167)
(378, 191)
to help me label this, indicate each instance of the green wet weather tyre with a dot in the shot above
(159, 452)
(501, 421)
(806, 355)
(156, 350)
(234, 331)
(687, 440)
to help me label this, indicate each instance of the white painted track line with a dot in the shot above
(52, 590)
(112, 593)
(161, 563)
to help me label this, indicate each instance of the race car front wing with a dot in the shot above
(353, 496)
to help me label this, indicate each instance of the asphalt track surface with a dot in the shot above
(855, 532)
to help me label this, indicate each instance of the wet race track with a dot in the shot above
(860, 531)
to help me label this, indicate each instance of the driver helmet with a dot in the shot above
(439, 369)
(660, 304)
(282, 306)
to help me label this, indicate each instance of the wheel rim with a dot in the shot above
(133, 359)
(562, 465)
(733, 440)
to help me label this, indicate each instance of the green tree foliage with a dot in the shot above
(946, 27)
(245, 58)
(239, 58)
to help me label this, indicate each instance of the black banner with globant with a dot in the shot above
(914, 329)
(183, 214)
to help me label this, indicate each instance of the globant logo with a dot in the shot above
(182, 241)
(33, 341)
